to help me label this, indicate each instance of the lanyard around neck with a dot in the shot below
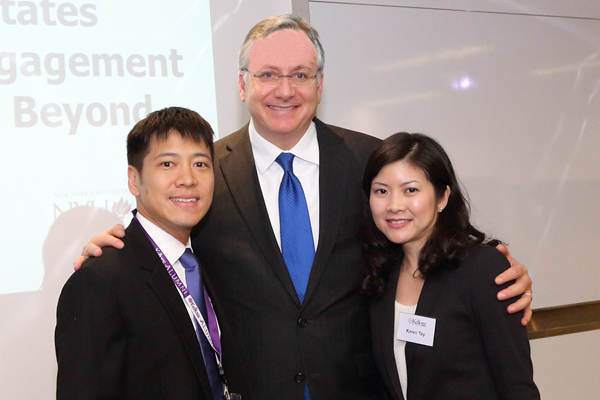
(187, 297)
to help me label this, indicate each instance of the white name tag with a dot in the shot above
(416, 329)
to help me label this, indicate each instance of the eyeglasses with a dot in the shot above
(271, 79)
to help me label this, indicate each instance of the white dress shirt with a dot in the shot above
(172, 250)
(270, 174)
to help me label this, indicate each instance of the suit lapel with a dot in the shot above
(333, 183)
(160, 281)
(430, 292)
(239, 173)
(432, 288)
(384, 313)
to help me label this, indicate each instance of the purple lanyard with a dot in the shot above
(211, 332)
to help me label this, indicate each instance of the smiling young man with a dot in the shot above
(302, 327)
(123, 328)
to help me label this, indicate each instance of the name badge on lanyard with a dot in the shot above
(416, 329)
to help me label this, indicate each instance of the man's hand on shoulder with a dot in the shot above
(94, 247)
(522, 286)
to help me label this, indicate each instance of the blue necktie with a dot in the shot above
(297, 244)
(196, 289)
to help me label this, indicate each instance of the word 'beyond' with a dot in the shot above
(96, 114)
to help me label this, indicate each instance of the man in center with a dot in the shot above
(309, 338)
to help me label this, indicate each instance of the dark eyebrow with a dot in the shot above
(409, 182)
(379, 183)
(170, 154)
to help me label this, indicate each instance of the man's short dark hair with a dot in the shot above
(188, 123)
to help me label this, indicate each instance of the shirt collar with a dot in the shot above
(170, 247)
(266, 152)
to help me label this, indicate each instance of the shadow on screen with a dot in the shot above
(28, 364)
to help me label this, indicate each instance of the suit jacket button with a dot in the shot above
(302, 322)
(299, 378)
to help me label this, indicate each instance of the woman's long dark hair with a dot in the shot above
(452, 233)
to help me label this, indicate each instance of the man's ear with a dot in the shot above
(320, 87)
(242, 87)
(133, 180)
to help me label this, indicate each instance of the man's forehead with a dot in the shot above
(162, 136)
(283, 49)
(173, 135)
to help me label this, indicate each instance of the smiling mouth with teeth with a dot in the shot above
(282, 108)
(184, 200)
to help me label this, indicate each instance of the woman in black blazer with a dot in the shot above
(438, 330)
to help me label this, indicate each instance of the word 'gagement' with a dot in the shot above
(56, 65)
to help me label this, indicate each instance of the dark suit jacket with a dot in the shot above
(325, 341)
(123, 331)
(479, 351)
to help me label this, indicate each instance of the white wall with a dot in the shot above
(514, 99)
(566, 367)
